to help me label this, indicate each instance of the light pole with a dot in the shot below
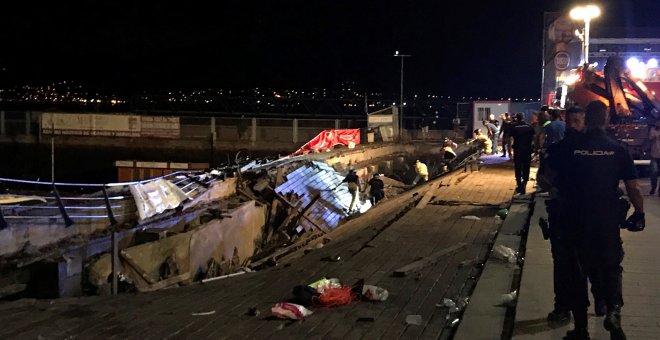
(402, 56)
(585, 13)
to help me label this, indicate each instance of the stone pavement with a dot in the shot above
(641, 313)
(371, 251)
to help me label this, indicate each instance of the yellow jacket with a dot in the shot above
(421, 169)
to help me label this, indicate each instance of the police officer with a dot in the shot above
(555, 226)
(588, 173)
(523, 136)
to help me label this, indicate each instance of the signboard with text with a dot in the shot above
(74, 124)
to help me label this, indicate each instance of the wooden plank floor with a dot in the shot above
(167, 314)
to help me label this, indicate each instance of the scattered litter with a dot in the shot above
(304, 295)
(319, 246)
(285, 310)
(414, 320)
(335, 258)
(502, 213)
(203, 313)
(338, 296)
(505, 253)
(253, 311)
(453, 323)
(449, 303)
(471, 217)
(509, 299)
(373, 293)
(324, 284)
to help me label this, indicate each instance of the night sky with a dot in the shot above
(472, 48)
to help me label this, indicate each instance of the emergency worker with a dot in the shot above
(484, 142)
(376, 189)
(353, 181)
(448, 153)
(422, 172)
(523, 136)
(589, 169)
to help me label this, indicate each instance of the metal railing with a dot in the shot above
(42, 200)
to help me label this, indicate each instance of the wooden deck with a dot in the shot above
(371, 252)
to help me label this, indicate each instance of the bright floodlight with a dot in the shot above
(585, 13)
(652, 63)
(632, 62)
(396, 53)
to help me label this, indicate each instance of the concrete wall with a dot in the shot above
(41, 232)
(234, 237)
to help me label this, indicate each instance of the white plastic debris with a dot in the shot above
(203, 313)
(509, 299)
(471, 217)
(285, 310)
(505, 253)
(414, 320)
(374, 293)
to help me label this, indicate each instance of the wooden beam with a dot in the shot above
(166, 283)
(429, 260)
(135, 266)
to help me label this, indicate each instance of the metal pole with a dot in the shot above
(401, 105)
(52, 149)
(586, 40)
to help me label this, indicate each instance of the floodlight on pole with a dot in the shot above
(402, 56)
(585, 13)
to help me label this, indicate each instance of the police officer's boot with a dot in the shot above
(577, 334)
(612, 323)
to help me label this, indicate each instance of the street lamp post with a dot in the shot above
(402, 56)
(585, 13)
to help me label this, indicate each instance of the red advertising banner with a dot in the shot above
(329, 138)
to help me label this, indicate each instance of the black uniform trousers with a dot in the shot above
(522, 161)
(594, 248)
(562, 260)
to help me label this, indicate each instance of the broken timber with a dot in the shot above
(429, 260)
(428, 196)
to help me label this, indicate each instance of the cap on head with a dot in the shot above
(376, 175)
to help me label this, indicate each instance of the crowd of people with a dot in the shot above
(581, 168)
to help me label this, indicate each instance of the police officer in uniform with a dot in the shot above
(588, 173)
(523, 136)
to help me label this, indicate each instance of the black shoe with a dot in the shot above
(503, 156)
(559, 316)
(600, 308)
(612, 323)
(577, 334)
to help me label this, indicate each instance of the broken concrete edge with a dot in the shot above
(485, 311)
